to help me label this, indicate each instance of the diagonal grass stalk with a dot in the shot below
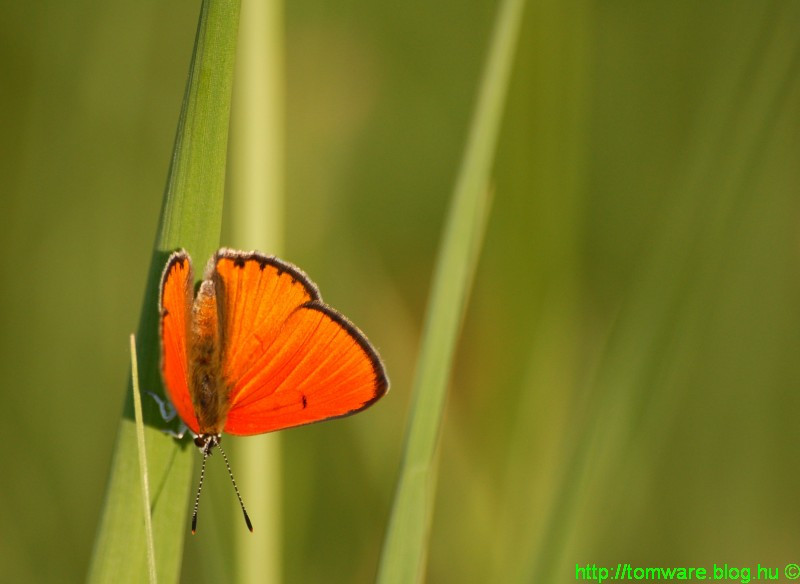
(145, 481)
(191, 217)
(403, 556)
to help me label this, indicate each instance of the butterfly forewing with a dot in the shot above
(255, 295)
(175, 309)
(288, 359)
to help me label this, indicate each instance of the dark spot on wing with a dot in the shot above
(239, 262)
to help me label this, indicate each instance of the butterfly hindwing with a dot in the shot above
(175, 306)
(288, 359)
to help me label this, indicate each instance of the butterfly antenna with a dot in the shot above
(197, 497)
(235, 488)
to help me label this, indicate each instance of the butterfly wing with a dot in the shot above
(175, 305)
(288, 359)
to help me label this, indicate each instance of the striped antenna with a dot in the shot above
(199, 488)
(235, 488)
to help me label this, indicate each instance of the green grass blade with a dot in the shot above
(256, 222)
(145, 483)
(190, 217)
(403, 556)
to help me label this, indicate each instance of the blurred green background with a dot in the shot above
(626, 385)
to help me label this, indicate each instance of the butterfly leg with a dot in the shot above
(168, 414)
(166, 408)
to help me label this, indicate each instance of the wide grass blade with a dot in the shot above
(191, 218)
(403, 556)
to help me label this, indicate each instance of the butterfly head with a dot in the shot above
(207, 442)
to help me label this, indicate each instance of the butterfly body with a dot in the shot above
(207, 387)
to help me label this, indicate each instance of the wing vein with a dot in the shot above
(267, 315)
(245, 391)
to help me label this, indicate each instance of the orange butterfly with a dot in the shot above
(256, 350)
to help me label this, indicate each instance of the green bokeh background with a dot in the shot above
(626, 385)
